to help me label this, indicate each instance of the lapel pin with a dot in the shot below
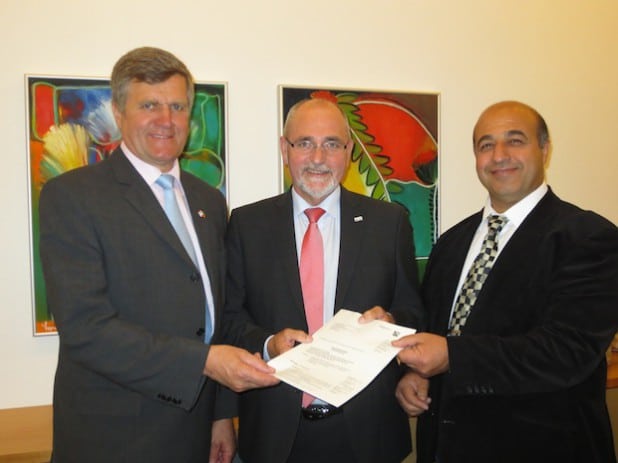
(201, 214)
(358, 218)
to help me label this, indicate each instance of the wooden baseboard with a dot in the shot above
(31, 457)
(26, 434)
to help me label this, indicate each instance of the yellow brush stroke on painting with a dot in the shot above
(65, 147)
(356, 182)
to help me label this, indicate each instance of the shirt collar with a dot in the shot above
(149, 172)
(331, 204)
(520, 210)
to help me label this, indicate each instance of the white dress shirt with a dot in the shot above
(150, 174)
(516, 214)
(330, 229)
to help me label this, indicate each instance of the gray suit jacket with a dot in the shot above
(527, 376)
(376, 267)
(129, 307)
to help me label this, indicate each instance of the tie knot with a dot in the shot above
(496, 222)
(314, 214)
(165, 181)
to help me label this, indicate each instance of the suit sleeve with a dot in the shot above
(575, 296)
(95, 332)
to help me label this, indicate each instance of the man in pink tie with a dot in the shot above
(293, 261)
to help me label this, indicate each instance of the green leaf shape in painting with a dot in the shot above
(394, 188)
(206, 165)
(371, 164)
(205, 130)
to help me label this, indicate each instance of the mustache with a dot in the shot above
(317, 169)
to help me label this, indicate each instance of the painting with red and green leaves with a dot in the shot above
(70, 124)
(395, 155)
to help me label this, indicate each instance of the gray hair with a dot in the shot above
(147, 64)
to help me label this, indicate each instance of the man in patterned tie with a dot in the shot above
(516, 362)
(293, 261)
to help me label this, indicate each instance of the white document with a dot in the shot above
(343, 358)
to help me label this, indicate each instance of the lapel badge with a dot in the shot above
(358, 218)
(201, 214)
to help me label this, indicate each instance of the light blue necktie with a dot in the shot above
(170, 205)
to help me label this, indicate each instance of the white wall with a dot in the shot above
(559, 56)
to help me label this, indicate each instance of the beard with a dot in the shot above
(317, 190)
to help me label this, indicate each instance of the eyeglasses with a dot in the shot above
(309, 146)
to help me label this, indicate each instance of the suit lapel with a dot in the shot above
(353, 229)
(201, 214)
(204, 219)
(516, 254)
(444, 283)
(284, 245)
(140, 196)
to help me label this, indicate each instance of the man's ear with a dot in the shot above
(117, 114)
(546, 150)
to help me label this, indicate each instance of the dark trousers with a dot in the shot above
(323, 441)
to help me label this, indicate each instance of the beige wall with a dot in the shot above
(559, 56)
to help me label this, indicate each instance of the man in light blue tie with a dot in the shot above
(132, 252)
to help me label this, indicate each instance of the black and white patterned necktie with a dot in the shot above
(477, 274)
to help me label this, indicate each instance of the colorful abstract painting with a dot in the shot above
(395, 155)
(70, 124)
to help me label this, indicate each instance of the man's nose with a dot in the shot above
(164, 114)
(318, 154)
(501, 151)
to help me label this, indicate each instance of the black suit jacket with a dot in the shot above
(527, 376)
(376, 267)
(129, 307)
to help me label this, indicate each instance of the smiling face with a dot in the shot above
(155, 120)
(510, 163)
(317, 171)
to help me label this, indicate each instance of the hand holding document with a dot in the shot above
(343, 358)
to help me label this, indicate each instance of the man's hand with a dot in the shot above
(238, 369)
(223, 441)
(412, 393)
(376, 313)
(284, 340)
(425, 353)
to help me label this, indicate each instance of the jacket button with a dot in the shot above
(195, 277)
(200, 332)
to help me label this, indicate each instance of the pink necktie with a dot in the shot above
(312, 276)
